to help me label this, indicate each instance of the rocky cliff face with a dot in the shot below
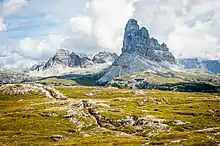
(37, 67)
(104, 57)
(65, 61)
(63, 58)
(140, 53)
(138, 41)
(70, 59)
(9, 77)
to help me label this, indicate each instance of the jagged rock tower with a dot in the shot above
(140, 53)
(138, 41)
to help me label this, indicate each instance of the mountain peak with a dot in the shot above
(63, 51)
(140, 52)
(65, 61)
(104, 57)
(138, 41)
(132, 25)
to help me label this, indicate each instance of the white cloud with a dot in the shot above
(189, 27)
(81, 24)
(39, 49)
(9, 7)
(100, 27)
(2, 25)
(12, 6)
(110, 17)
(14, 61)
(105, 20)
(192, 41)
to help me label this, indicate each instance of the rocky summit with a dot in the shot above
(65, 62)
(140, 52)
(64, 58)
(104, 57)
(138, 41)
(9, 77)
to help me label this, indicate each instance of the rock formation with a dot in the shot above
(64, 58)
(104, 57)
(9, 77)
(138, 41)
(140, 53)
(65, 61)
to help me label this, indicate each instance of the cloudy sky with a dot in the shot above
(33, 30)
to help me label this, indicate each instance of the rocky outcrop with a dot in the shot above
(66, 62)
(140, 53)
(139, 41)
(8, 77)
(104, 57)
(37, 66)
(63, 58)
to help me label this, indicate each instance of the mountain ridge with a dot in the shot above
(210, 66)
(65, 61)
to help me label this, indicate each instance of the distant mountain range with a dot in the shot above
(140, 53)
(210, 66)
(8, 76)
(66, 62)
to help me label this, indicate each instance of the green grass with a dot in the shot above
(30, 127)
(57, 81)
(99, 92)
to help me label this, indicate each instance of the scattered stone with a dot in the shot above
(179, 122)
(89, 94)
(175, 141)
(151, 122)
(121, 99)
(122, 122)
(49, 115)
(144, 111)
(74, 120)
(58, 138)
(139, 92)
(157, 102)
(146, 100)
(86, 135)
(24, 89)
(217, 98)
(29, 109)
(122, 134)
(215, 111)
(208, 129)
(56, 109)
